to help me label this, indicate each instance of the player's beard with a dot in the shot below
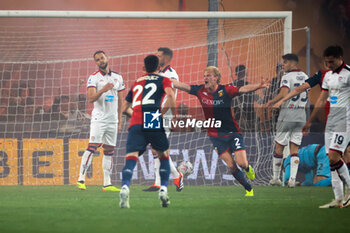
(104, 67)
(161, 63)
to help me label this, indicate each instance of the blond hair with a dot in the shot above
(215, 71)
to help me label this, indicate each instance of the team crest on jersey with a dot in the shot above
(340, 78)
(221, 93)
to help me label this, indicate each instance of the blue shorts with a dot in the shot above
(138, 139)
(231, 143)
(323, 168)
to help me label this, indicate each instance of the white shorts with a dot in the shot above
(289, 132)
(337, 141)
(105, 133)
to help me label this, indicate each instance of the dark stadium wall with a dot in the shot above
(320, 16)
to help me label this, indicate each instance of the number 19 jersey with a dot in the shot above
(146, 95)
(293, 110)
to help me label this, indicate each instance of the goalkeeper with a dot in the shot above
(314, 164)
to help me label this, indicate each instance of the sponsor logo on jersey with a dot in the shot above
(109, 98)
(333, 99)
(212, 102)
(152, 120)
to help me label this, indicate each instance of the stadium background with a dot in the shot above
(325, 30)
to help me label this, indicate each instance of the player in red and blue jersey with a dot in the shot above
(146, 126)
(216, 103)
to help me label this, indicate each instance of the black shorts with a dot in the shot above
(138, 139)
(230, 143)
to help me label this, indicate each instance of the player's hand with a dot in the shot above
(107, 87)
(277, 105)
(264, 83)
(306, 128)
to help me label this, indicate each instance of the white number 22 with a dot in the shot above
(147, 98)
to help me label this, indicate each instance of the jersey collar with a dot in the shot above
(165, 69)
(339, 68)
(103, 73)
(295, 70)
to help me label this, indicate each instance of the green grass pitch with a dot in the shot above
(196, 209)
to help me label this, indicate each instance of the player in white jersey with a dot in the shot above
(336, 87)
(291, 119)
(165, 55)
(104, 90)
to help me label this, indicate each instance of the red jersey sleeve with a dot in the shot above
(167, 83)
(231, 90)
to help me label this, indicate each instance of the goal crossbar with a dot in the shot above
(286, 15)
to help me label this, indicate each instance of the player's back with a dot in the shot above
(146, 95)
(294, 109)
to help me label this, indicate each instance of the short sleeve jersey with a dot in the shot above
(147, 94)
(337, 84)
(217, 105)
(106, 107)
(294, 108)
(170, 73)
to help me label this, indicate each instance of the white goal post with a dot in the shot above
(44, 56)
(286, 15)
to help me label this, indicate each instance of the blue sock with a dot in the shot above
(164, 171)
(127, 171)
(239, 176)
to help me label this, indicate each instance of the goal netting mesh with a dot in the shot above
(44, 115)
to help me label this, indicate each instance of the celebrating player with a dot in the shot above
(312, 160)
(104, 90)
(291, 119)
(336, 87)
(216, 103)
(165, 55)
(146, 126)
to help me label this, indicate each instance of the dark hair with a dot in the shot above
(64, 97)
(291, 57)
(97, 52)
(334, 51)
(240, 68)
(151, 63)
(166, 51)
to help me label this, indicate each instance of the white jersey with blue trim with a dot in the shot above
(294, 108)
(337, 83)
(106, 107)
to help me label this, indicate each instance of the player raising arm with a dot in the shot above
(104, 90)
(336, 86)
(146, 126)
(216, 103)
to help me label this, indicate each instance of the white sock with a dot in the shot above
(173, 171)
(107, 170)
(86, 160)
(156, 171)
(294, 164)
(344, 175)
(276, 167)
(165, 188)
(337, 185)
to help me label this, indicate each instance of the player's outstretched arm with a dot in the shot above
(283, 92)
(294, 92)
(170, 101)
(93, 95)
(320, 103)
(182, 86)
(254, 87)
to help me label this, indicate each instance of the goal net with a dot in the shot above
(44, 115)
